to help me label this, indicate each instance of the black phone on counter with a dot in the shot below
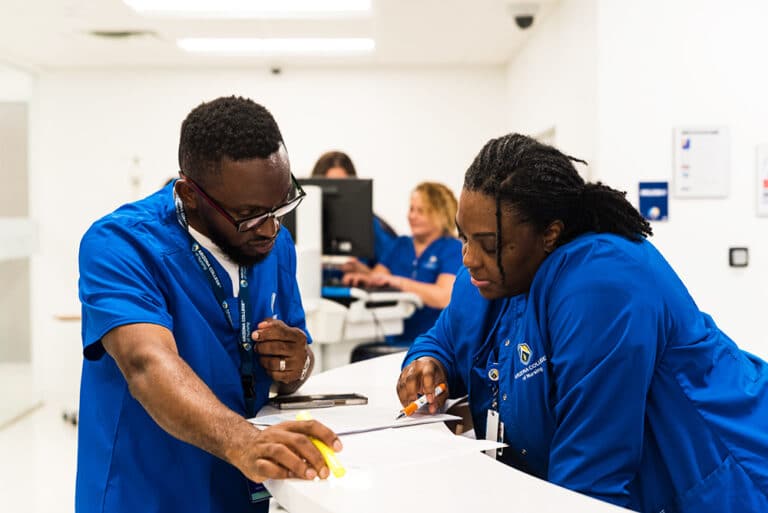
(297, 402)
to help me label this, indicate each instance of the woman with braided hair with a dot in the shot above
(570, 329)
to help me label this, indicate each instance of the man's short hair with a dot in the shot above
(233, 127)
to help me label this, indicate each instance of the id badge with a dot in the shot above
(492, 430)
(257, 492)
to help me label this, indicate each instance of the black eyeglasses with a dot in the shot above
(251, 223)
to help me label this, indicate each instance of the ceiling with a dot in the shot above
(55, 34)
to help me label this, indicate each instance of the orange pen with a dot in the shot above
(418, 403)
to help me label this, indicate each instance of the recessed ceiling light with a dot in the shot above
(277, 46)
(251, 8)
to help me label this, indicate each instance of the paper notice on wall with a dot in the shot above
(762, 180)
(702, 162)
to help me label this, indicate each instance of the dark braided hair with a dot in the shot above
(541, 185)
(233, 127)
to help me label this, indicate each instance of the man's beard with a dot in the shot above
(234, 253)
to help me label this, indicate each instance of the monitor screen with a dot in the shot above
(347, 216)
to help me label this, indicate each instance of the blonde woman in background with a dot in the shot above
(425, 262)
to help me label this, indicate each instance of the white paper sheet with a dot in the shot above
(396, 447)
(344, 420)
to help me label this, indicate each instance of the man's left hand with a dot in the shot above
(282, 350)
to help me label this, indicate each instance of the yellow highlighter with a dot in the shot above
(328, 455)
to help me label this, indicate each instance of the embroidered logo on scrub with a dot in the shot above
(531, 367)
(431, 263)
(524, 351)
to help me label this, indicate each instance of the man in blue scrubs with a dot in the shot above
(580, 347)
(191, 312)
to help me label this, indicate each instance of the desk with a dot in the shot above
(472, 482)
(337, 329)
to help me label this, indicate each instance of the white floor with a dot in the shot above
(37, 467)
(18, 394)
(38, 461)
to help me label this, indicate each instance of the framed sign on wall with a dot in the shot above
(762, 180)
(702, 162)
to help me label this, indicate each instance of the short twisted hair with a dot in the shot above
(233, 127)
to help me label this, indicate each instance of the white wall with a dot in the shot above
(552, 81)
(399, 126)
(16, 234)
(614, 77)
(15, 85)
(692, 62)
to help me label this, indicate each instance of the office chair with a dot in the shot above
(373, 349)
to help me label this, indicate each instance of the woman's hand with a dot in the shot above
(384, 280)
(356, 279)
(372, 280)
(421, 377)
(353, 265)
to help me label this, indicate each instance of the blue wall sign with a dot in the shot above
(654, 200)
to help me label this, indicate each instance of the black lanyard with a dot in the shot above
(490, 349)
(245, 346)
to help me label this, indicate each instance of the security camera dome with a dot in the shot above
(523, 13)
(524, 20)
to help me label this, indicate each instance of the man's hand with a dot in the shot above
(282, 350)
(183, 405)
(283, 451)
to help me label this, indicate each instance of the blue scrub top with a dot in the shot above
(136, 266)
(443, 256)
(383, 238)
(612, 382)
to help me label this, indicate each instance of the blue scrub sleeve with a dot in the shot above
(390, 257)
(115, 287)
(438, 343)
(383, 239)
(450, 257)
(295, 317)
(603, 354)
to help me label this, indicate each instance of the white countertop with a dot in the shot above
(457, 482)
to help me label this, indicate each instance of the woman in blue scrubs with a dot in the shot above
(337, 164)
(424, 263)
(582, 350)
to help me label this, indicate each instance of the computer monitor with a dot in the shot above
(347, 216)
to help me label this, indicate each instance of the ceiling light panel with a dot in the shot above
(272, 9)
(277, 46)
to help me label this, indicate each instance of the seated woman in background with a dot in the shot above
(424, 263)
(336, 164)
